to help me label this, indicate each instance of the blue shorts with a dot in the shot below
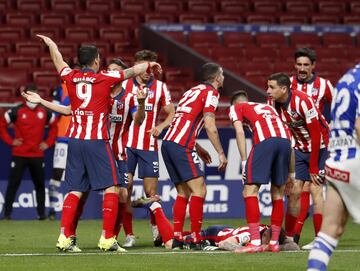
(302, 160)
(123, 172)
(269, 160)
(182, 164)
(90, 165)
(148, 162)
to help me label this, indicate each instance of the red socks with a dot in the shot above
(127, 223)
(253, 218)
(110, 212)
(277, 217)
(120, 217)
(78, 214)
(290, 224)
(304, 208)
(196, 216)
(69, 211)
(166, 230)
(179, 212)
(317, 219)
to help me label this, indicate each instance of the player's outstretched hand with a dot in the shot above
(203, 154)
(156, 67)
(46, 40)
(315, 179)
(223, 162)
(31, 97)
(155, 131)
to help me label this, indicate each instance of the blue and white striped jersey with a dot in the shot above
(345, 108)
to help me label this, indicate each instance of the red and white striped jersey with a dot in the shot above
(297, 112)
(262, 119)
(158, 96)
(120, 119)
(188, 119)
(241, 234)
(318, 88)
(89, 94)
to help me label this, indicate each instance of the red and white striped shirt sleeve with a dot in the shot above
(165, 96)
(211, 101)
(235, 113)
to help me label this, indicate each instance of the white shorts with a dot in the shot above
(60, 155)
(345, 176)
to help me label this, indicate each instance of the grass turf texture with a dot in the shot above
(30, 245)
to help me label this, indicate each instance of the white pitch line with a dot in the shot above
(148, 253)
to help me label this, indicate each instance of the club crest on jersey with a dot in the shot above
(40, 115)
(150, 94)
(294, 114)
(120, 105)
(314, 91)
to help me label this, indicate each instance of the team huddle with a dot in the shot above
(292, 146)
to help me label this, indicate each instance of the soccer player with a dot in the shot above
(342, 170)
(125, 107)
(269, 158)
(195, 110)
(28, 145)
(217, 236)
(310, 130)
(90, 162)
(321, 91)
(142, 148)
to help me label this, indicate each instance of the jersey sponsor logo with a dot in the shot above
(40, 115)
(115, 118)
(337, 174)
(148, 107)
(79, 112)
(294, 114)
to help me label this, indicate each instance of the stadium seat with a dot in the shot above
(254, 67)
(299, 7)
(293, 19)
(46, 78)
(197, 6)
(99, 6)
(7, 92)
(331, 55)
(31, 5)
(187, 18)
(157, 18)
(53, 32)
(55, 19)
(135, 6)
(79, 34)
(204, 51)
(19, 19)
(355, 7)
(284, 66)
(270, 39)
(67, 48)
(11, 33)
(45, 91)
(168, 6)
(260, 19)
(13, 77)
(203, 39)
(178, 36)
(29, 48)
(65, 5)
(259, 54)
(337, 40)
(103, 46)
(22, 62)
(174, 75)
(351, 19)
(332, 7)
(5, 47)
(270, 7)
(236, 39)
(303, 39)
(113, 33)
(227, 54)
(354, 55)
(5, 4)
(126, 46)
(258, 80)
(236, 7)
(123, 19)
(227, 19)
(88, 18)
(46, 63)
(324, 19)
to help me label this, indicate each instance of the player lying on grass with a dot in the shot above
(217, 236)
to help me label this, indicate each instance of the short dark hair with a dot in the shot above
(119, 62)
(282, 79)
(307, 52)
(209, 71)
(238, 94)
(31, 86)
(145, 55)
(87, 54)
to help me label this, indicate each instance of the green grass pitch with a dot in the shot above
(30, 245)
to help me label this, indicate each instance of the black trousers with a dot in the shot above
(18, 167)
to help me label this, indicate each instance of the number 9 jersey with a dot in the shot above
(188, 119)
(89, 94)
